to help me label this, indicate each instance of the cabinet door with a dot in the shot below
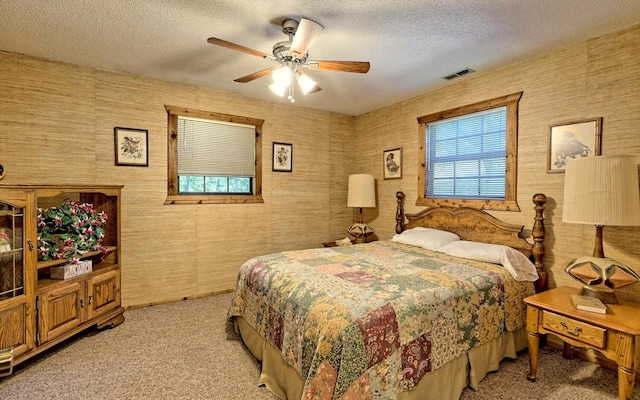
(16, 287)
(13, 322)
(60, 310)
(103, 293)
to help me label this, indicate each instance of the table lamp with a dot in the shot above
(362, 193)
(601, 190)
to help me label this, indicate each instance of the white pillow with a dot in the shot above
(514, 261)
(427, 238)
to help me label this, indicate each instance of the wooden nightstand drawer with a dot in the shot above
(577, 330)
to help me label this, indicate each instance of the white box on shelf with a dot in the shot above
(71, 270)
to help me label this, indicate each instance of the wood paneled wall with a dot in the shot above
(57, 120)
(596, 78)
(56, 126)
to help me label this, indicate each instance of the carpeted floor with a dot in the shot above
(185, 350)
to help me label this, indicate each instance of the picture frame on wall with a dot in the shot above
(392, 163)
(131, 146)
(282, 160)
(575, 139)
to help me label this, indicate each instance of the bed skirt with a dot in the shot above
(445, 383)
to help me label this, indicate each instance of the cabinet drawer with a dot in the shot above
(577, 330)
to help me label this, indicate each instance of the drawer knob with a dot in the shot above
(576, 331)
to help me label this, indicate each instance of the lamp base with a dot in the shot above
(361, 232)
(606, 295)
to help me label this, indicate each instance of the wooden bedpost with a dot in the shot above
(537, 250)
(400, 212)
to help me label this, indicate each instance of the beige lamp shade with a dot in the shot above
(362, 191)
(602, 190)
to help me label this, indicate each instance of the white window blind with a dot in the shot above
(466, 156)
(210, 148)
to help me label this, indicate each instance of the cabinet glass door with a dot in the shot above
(15, 318)
(11, 251)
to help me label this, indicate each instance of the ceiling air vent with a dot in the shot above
(459, 74)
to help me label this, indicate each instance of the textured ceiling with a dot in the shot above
(411, 44)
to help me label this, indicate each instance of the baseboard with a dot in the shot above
(174, 300)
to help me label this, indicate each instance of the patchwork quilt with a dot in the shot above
(373, 319)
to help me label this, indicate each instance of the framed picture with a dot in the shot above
(392, 162)
(282, 157)
(573, 140)
(132, 146)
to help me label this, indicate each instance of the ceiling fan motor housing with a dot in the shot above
(281, 53)
(289, 26)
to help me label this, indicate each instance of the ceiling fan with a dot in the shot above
(292, 56)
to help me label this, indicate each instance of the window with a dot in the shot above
(213, 158)
(469, 155)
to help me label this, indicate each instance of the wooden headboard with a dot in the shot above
(480, 226)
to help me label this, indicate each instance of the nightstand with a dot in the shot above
(333, 244)
(614, 334)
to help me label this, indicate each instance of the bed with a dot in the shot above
(392, 319)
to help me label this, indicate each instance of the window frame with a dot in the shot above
(510, 201)
(173, 196)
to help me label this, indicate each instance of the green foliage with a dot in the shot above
(70, 230)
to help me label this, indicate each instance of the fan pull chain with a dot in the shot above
(293, 83)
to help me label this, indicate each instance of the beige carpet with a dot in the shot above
(185, 350)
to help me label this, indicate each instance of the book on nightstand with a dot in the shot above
(585, 303)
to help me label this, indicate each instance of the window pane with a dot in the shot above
(469, 145)
(445, 148)
(442, 187)
(466, 169)
(239, 185)
(443, 170)
(467, 187)
(191, 184)
(466, 156)
(216, 184)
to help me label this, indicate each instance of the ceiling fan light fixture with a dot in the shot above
(282, 76)
(306, 83)
(277, 89)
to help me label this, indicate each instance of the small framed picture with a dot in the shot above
(392, 162)
(575, 139)
(282, 157)
(132, 147)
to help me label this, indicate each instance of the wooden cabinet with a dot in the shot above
(37, 312)
(616, 334)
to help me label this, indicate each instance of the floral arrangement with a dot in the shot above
(69, 231)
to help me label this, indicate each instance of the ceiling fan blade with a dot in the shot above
(237, 47)
(255, 75)
(360, 67)
(306, 34)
